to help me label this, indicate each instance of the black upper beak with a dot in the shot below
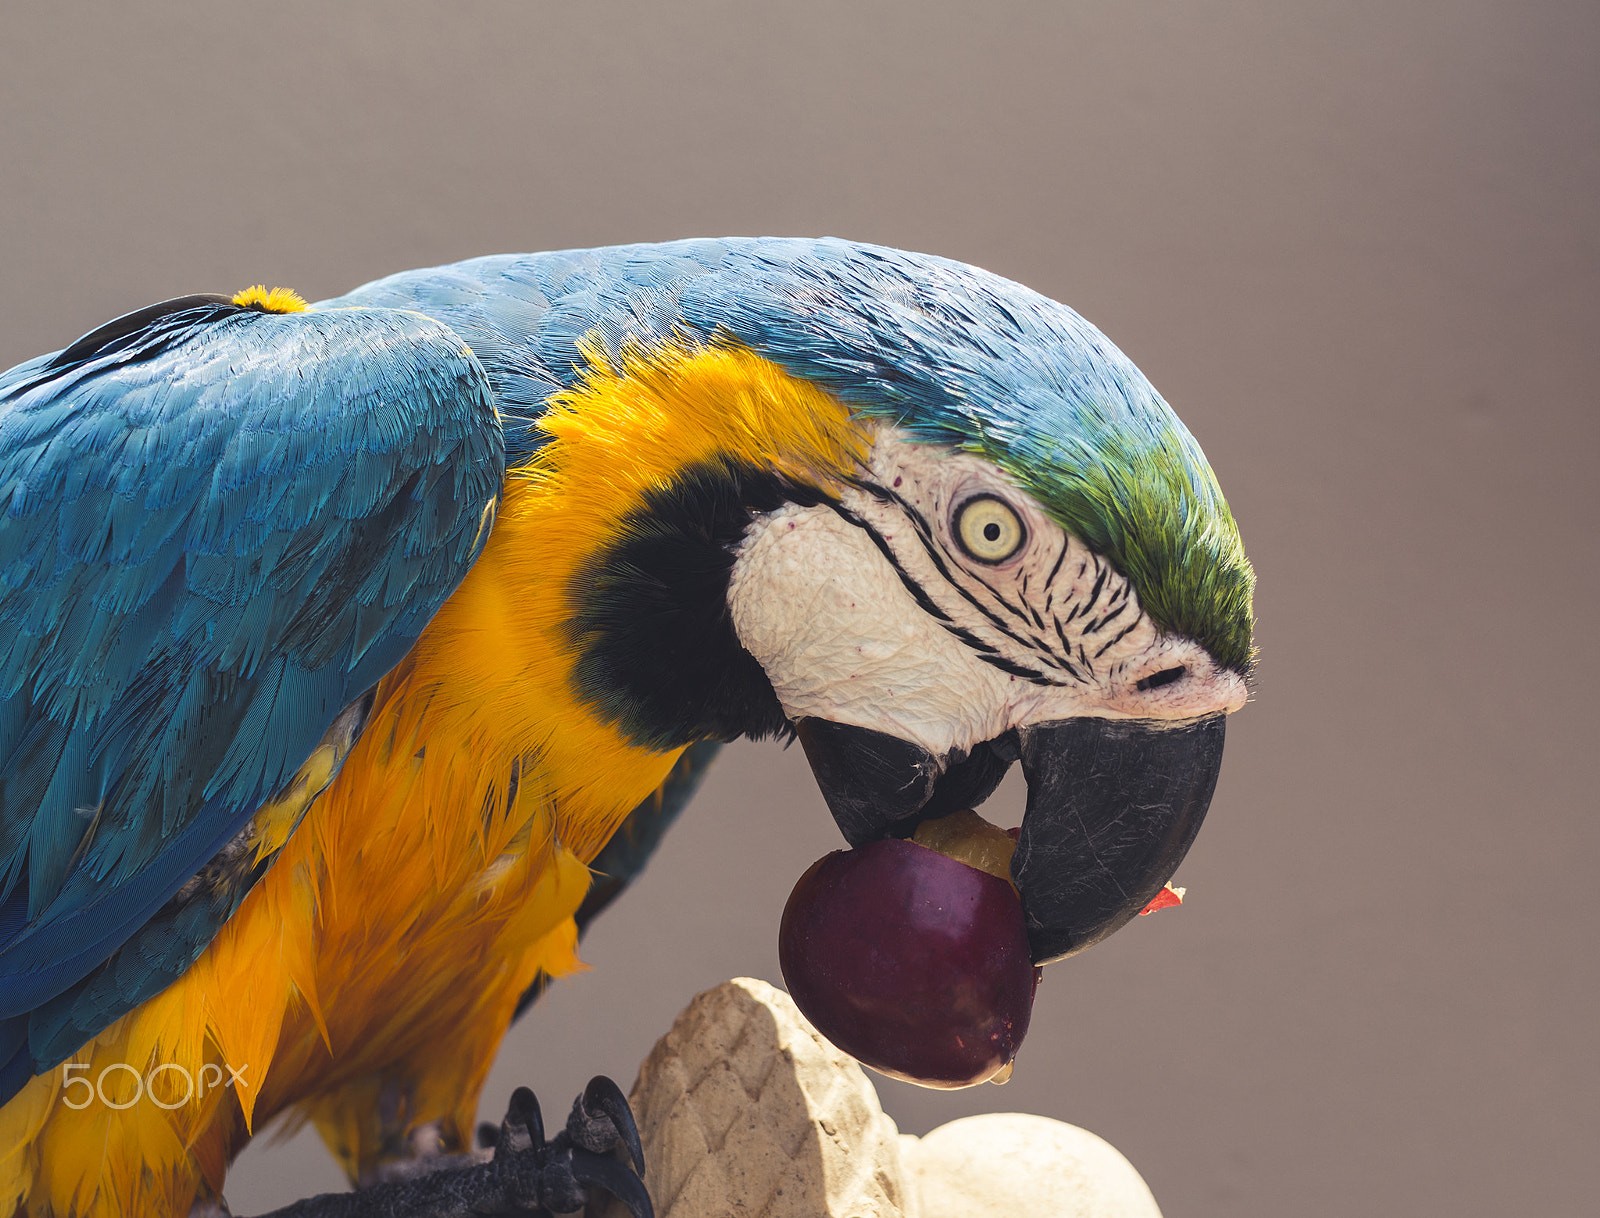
(1113, 805)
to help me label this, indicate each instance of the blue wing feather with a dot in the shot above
(218, 528)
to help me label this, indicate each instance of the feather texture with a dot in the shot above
(218, 527)
(952, 354)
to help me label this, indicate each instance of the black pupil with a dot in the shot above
(991, 531)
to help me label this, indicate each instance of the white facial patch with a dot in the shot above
(841, 638)
(873, 612)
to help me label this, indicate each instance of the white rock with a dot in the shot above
(1002, 1165)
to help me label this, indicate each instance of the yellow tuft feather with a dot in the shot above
(275, 300)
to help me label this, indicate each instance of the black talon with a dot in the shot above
(601, 1117)
(522, 1118)
(606, 1173)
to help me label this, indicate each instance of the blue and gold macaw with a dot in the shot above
(338, 642)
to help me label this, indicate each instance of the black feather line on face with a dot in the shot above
(1099, 583)
(1067, 664)
(1105, 619)
(926, 603)
(1036, 646)
(657, 653)
(935, 552)
(1115, 639)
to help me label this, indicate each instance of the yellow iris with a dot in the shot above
(988, 529)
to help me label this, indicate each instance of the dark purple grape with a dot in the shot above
(913, 963)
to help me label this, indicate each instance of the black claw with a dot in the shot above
(601, 1118)
(602, 1172)
(522, 1120)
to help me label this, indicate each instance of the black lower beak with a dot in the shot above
(1113, 805)
(869, 778)
(878, 785)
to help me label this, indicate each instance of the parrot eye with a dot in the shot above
(988, 530)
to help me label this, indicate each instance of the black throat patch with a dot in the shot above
(657, 652)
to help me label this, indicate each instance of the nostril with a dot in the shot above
(1165, 677)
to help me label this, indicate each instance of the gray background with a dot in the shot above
(1354, 244)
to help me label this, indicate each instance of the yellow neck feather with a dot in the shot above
(499, 651)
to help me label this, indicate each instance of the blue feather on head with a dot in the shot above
(949, 353)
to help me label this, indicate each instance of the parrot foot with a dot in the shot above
(527, 1175)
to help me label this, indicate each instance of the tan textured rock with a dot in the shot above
(1002, 1165)
(745, 1110)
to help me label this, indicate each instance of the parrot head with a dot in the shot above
(924, 519)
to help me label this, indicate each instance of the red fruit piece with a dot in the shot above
(911, 962)
(1165, 899)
